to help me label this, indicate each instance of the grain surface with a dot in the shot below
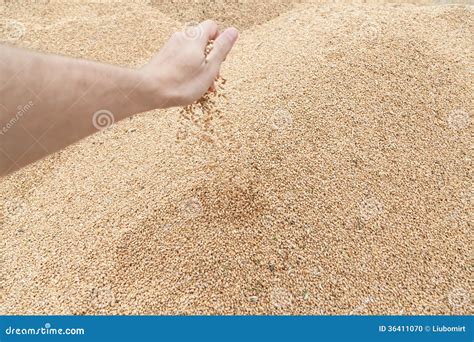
(336, 179)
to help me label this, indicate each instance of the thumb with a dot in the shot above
(222, 45)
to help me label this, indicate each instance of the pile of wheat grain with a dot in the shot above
(337, 179)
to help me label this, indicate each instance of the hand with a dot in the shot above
(181, 73)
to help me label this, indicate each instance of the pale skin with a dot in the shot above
(48, 102)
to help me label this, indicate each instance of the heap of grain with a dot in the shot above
(337, 181)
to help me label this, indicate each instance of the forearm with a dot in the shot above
(48, 102)
(58, 97)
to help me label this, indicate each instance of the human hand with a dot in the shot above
(180, 73)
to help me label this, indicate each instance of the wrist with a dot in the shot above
(138, 91)
(151, 90)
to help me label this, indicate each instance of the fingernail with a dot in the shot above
(232, 33)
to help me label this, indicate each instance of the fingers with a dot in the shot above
(222, 45)
(208, 32)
